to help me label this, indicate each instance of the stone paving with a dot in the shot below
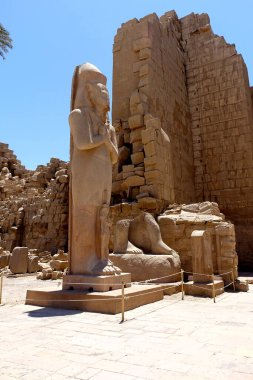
(170, 339)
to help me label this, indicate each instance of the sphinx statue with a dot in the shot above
(93, 151)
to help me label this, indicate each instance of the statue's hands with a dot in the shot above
(102, 130)
(105, 132)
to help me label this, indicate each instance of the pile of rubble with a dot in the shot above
(33, 204)
(23, 260)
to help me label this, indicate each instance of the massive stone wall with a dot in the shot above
(222, 126)
(151, 110)
(178, 79)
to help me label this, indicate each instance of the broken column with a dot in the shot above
(203, 279)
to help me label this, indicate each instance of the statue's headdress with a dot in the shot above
(85, 73)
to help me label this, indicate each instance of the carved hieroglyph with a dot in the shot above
(93, 151)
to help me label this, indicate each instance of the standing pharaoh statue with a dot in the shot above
(93, 151)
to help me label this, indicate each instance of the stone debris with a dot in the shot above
(23, 260)
(33, 204)
(178, 223)
(19, 260)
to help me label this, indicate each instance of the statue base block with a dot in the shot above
(201, 289)
(95, 283)
(97, 302)
(163, 268)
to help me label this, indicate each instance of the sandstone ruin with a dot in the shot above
(183, 115)
(183, 112)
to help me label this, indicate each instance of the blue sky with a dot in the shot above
(51, 37)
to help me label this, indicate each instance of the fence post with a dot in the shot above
(1, 288)
(123, 302)
(182, 283)
(214, 300)
(233, 278)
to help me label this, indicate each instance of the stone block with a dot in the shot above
(127, 174)
(136, 66)
(154, 176)
(142, 43)
(144, 70)
(137, 158)
(148, 135)
(33, 264)
(19, 260)
(151, 149)
(59, 265)
(128, 168)
(63, 178)
(147, 203)
(135, 121)
(135, 135)
(137, 146)
(4, 259)
(201, 247)
(139, 171)
(154, 163)
(153, 123)
(146, 267)
(135, 180)
(200, 289)
(145, 53)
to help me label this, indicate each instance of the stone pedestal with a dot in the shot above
(164, 268)
(97, 302)
(201, 256)
(201, 289)
(201, 282)
(95, 283)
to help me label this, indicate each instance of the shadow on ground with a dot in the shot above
(51, 312)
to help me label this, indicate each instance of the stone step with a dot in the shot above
(200, 289)
(97, 302)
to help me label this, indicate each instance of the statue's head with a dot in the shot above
(89, 88)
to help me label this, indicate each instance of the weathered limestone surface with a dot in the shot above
(131, 211)
(151, 110)
(202, 261)
(179, 222)
(19, 260)
(181, 97)
(146, 267)
(140, 250)
(142, 232)
(93, 151)
(222, 126)
(33, 204)
(4, 259)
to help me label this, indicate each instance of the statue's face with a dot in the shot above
(99, 96)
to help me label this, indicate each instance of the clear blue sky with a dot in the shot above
(51, 37)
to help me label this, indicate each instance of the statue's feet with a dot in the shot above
(105, 268)
(131, 249)
(160, 248)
